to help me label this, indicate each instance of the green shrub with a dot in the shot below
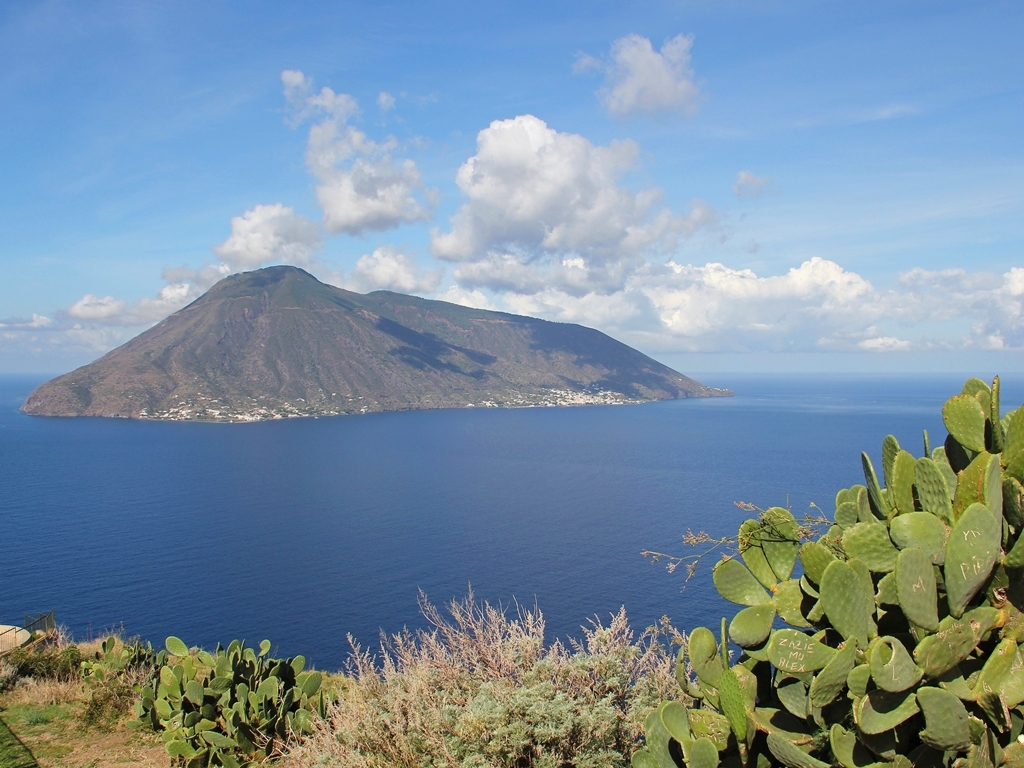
(47, 662)
(902, 644)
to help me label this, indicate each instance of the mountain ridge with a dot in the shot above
(277, 342)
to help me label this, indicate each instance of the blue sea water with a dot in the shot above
(307, 530)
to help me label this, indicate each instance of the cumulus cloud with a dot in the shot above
(715, 307)
(994, 303)
(885, 344)
(458, 295)
(540, 199)
(360, 186)
(12, 324)
(96, 308)
(385, 101)
(298, 91)
(639, 79)
(750, 186)
(269, 233)
(183, 286)
(389, 269)
(817, 305)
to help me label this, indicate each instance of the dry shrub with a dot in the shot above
(44, 691)
(480, 689)
(8, 676)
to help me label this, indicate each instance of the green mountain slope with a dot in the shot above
(277, 342)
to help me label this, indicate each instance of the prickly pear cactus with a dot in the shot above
(115, 658)
(229, 708)
(904, 620)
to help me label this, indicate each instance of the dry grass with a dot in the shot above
(481, 689)
(44, 692)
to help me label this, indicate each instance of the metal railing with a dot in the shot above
(35, 628)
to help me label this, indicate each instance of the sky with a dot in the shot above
(728, 186)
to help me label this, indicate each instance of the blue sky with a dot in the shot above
(728, 186)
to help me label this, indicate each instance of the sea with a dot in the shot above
(318, 533)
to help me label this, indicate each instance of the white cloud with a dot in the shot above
(298, 91)
(640, 79)
(19, 323)
(817, 305)
(96, 308)
(390, 269)
(385, 101)
(547, 206)
(269, 233)
(107, 310)
(885, 344)
(750, 186)
(994, 303)
(360, 187)
(456, 295)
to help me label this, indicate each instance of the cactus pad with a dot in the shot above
(974, 546)
(879, 501)
(815, 558)
(892, 668)
(1003, 674)
(658, 739)
(848, 602)
(880, 711)
(903, 477)
(704, 658)
(750, 627)
(954, 641)
(922, 530)
(945, 719)
(796, 652)
(890, 447)
(1015, 557)
(916, 590)
(932, 489)
(847, 514)
(1013, 501)
(848, 750)
(788, 602)
(175, 647)
(731, 697)
(792, 693)
(870, 543)
(751, 535)
(831, 680)
(703, 754)
(675, 721)
(780, 539)
(707, 724)
(791, 755)
(737, 584)
(974, 484)
(965, 418)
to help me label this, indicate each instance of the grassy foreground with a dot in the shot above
(479, 689)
